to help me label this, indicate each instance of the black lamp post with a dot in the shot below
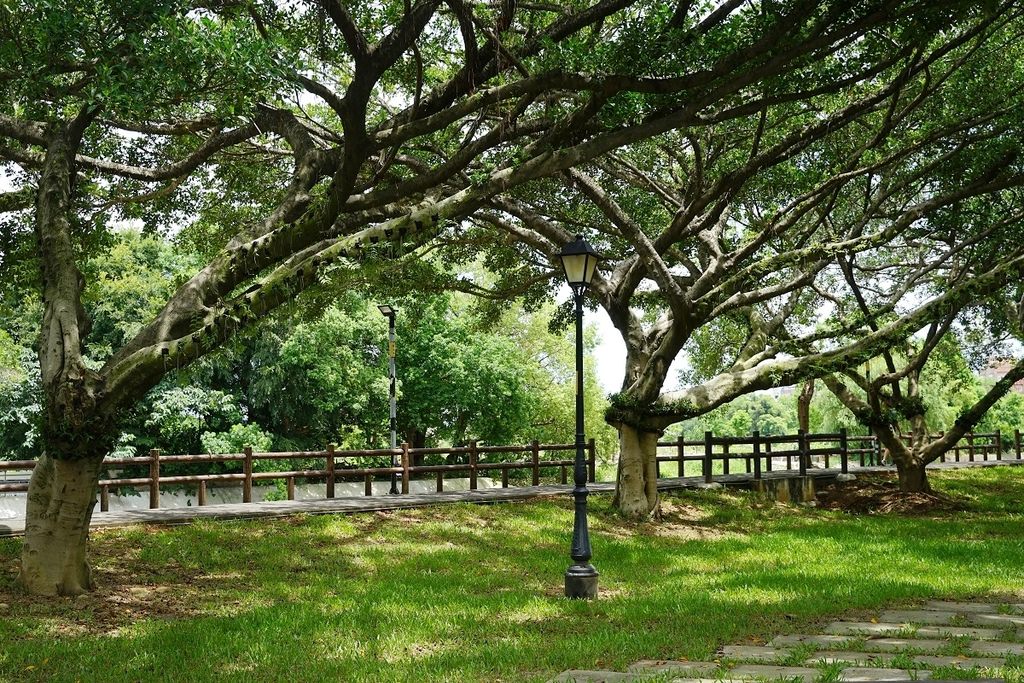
(579, 261)
(389, 313)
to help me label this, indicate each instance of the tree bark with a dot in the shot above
(913, 476)
(75, 432)
(803, 406)
(637, 491)
(416, 438)
(62, 494)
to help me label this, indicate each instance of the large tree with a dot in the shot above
(726, 239)
(889, 395)
(325, 135)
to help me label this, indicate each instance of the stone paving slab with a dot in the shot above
(760, 653)
(667, 666)
(918, 616)
(583, 676)
(845, 657)
(960, 662)
(821, 641)
(935, 631)
(865, 674)
(876, 644)
(961, 607)
(862, 652)
(904, 644)
(995, 647)
(774, 673)
(839, 657)
(997, 620)
(887, 644)
(936, 617)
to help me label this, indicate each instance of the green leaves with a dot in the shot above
(137, 58)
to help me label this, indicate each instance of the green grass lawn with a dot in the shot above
(473, 592)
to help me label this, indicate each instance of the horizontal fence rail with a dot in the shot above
(756, 454)
(337, 465)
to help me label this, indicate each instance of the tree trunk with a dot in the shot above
(913, 476)
(637, 492)
(61, 497)
(416, 439)
(803, 406)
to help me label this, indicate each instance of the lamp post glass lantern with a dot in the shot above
(579, 260)
(389, 312)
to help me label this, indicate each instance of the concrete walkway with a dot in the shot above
(350, 504)
(939, 640)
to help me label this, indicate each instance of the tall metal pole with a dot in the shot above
(394, 406)
(581, 577)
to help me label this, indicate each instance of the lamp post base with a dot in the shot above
(581, 582)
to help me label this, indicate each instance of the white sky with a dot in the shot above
(611, 354)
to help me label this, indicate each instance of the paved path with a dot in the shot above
(349, 504)
(940, 640)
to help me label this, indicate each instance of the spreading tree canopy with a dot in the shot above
(315, 138)
(745, 240)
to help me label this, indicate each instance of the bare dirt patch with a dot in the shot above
(674, 520)
(880, 494)
(127, 591)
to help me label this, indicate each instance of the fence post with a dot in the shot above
(970, 447)
(1016, 442)
(154, 479)
(104, 498)
(802, 447)
(767, 456)
(535, 454)
(367, 484)
(708, 454)
(681, 457)
(472, 465)
(757, 454)
(504, 477)
(591, 461)
(405, 467)
(330, 470)
(202, 493)
(440, 481)
(725, 458)
(291, 488)
(247, 473)
(999, 445)
(844, 451)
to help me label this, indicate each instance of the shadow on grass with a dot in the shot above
(474, 593)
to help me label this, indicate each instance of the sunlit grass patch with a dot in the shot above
(465, 593)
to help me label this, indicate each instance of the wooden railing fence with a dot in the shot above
(755, 454)
(337, 465)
